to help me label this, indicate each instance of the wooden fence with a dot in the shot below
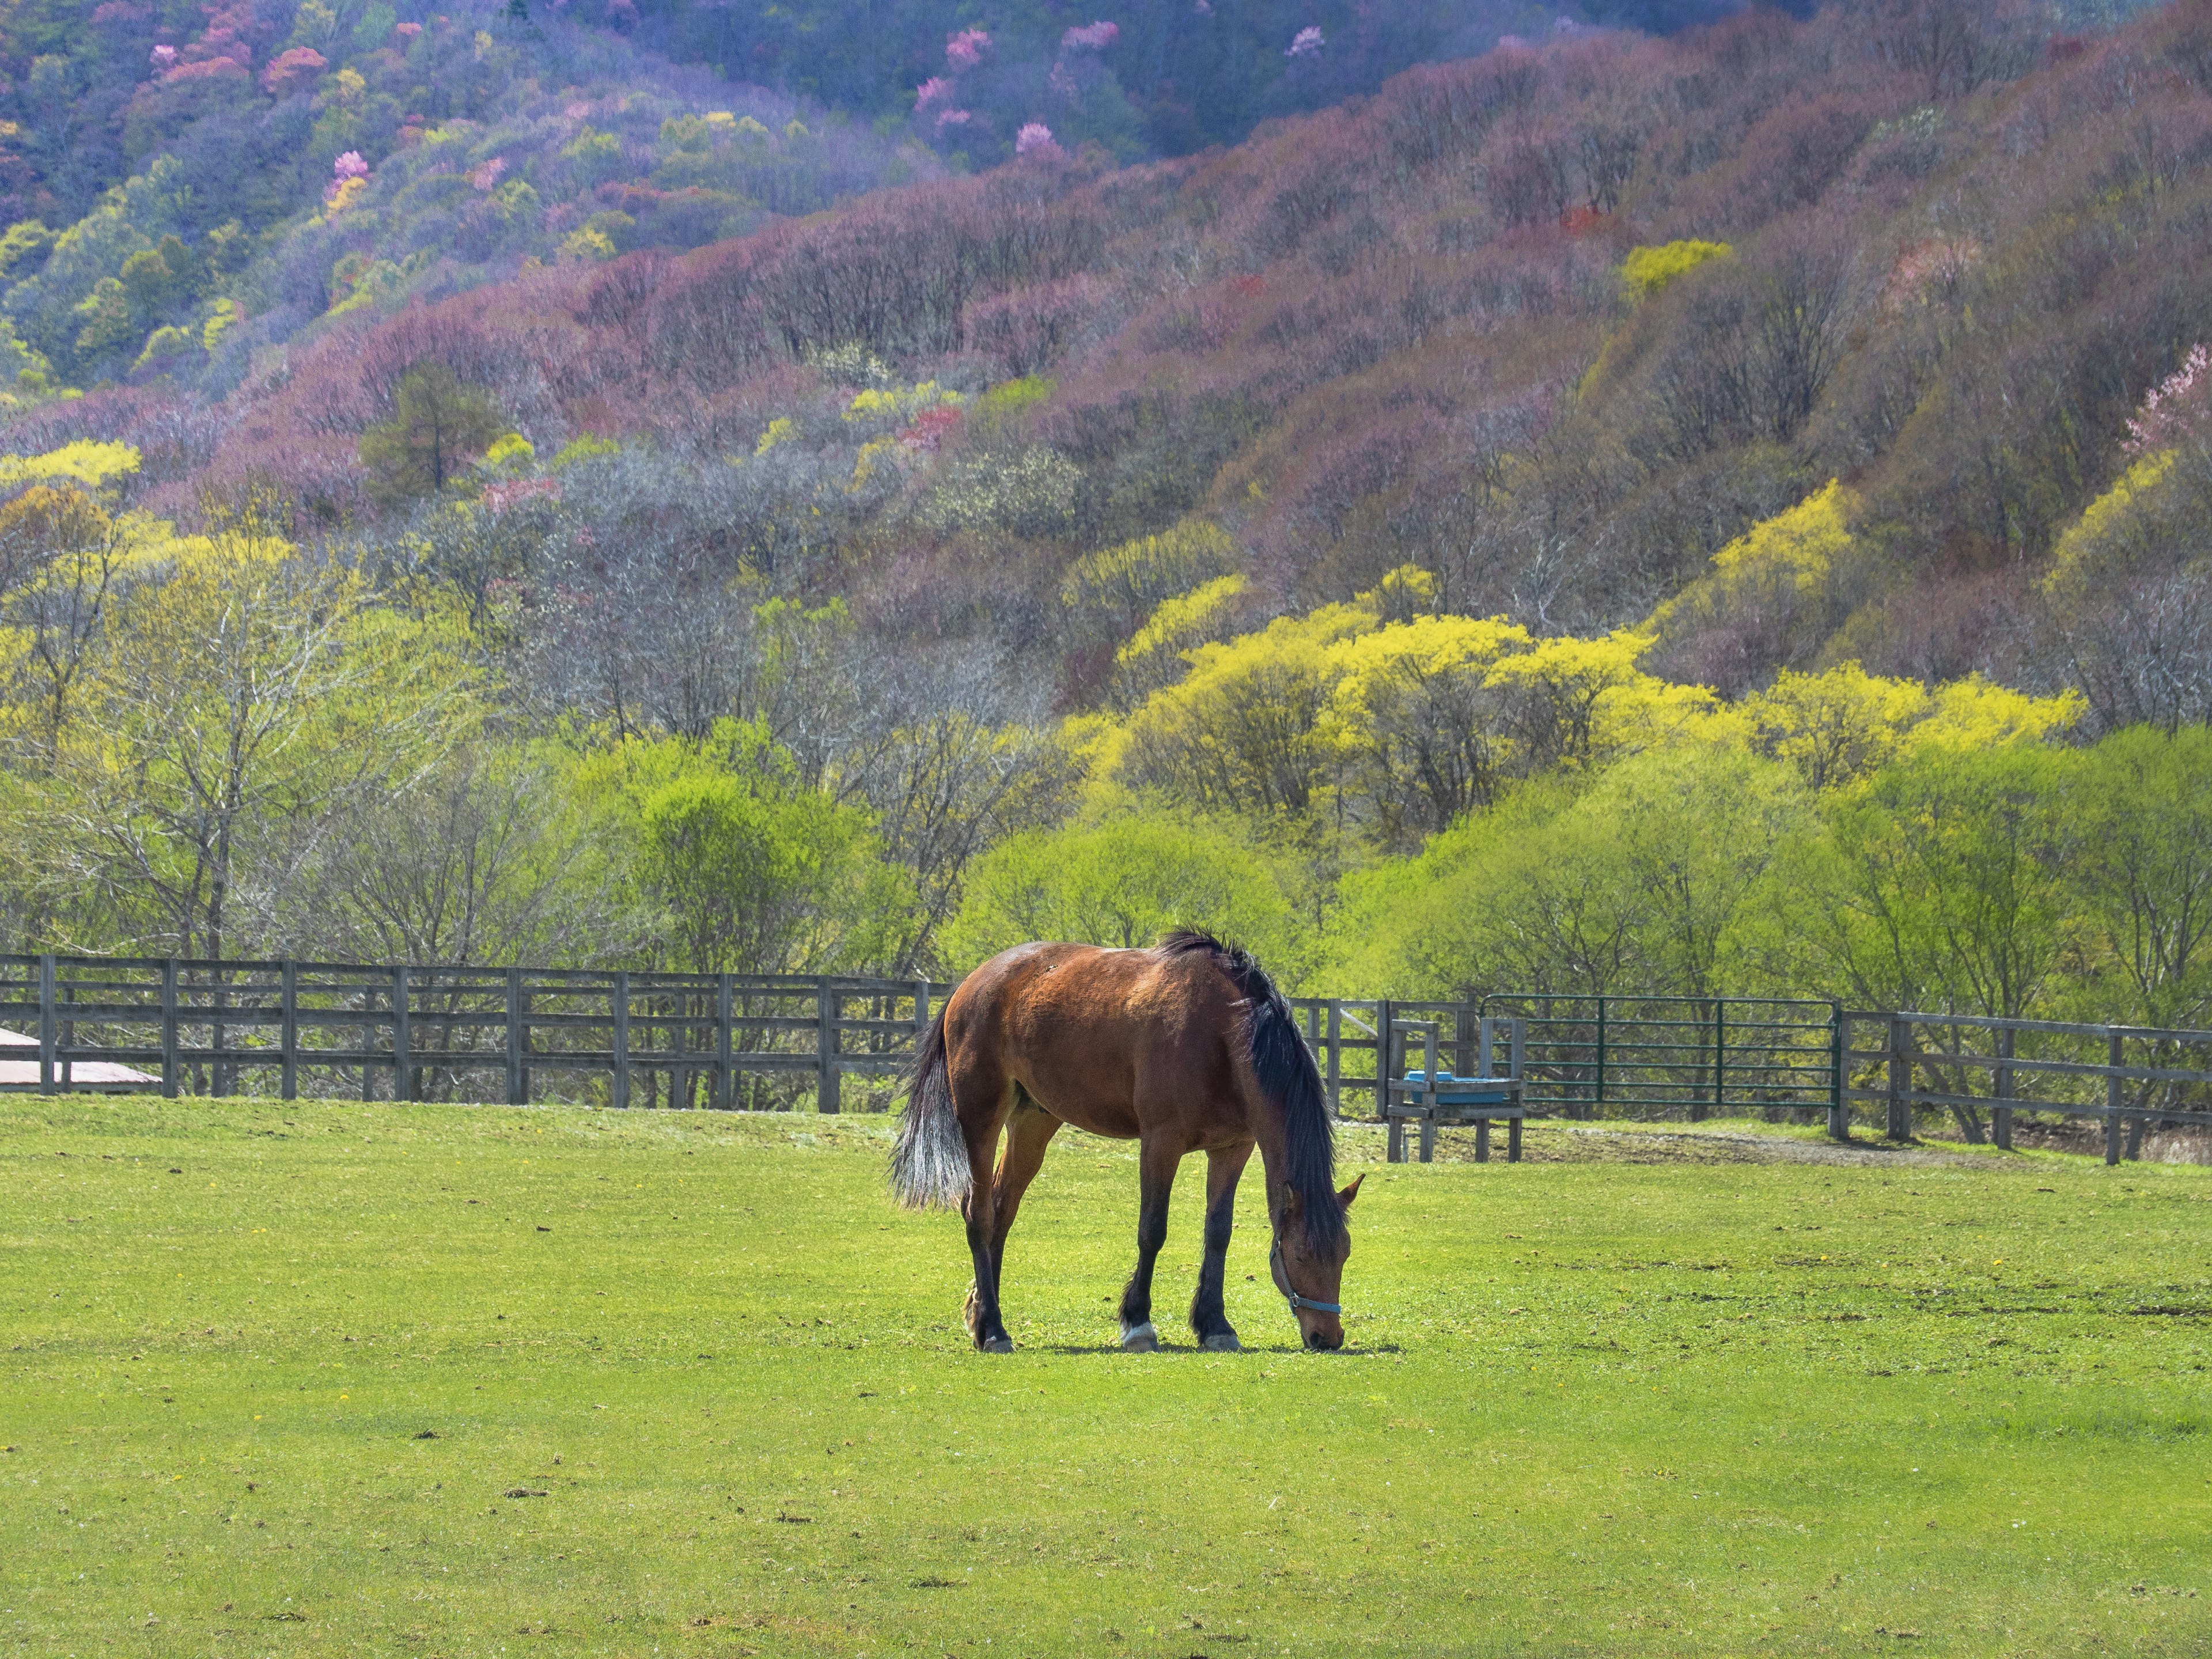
(724, 1041)
(2130, 1077)
(416, 1033)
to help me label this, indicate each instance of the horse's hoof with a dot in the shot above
(1140, 1339)
(997, 1345)
(1221, 1342)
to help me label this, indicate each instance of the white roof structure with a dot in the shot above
(18, 1071)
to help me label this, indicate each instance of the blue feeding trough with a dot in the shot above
(1463, 1090)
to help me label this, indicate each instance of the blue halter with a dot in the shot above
(1283, 1284)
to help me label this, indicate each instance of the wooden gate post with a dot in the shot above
(288, 1030)
(1900, 1112)
(826, 1006)
(2114, 1096)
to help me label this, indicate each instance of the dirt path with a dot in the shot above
(1590, 1143)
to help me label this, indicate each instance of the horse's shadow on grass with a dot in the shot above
(1256, 1350)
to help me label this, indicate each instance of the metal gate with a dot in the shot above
(1675, 1056)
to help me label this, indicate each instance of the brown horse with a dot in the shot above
(1185, 1048)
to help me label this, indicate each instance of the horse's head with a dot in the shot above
(1310, 1279)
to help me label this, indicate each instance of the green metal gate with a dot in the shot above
(1673, 1056)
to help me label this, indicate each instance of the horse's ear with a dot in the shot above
(1292, 1206)
(1352, 1192)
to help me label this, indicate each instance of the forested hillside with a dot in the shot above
(1722, 511)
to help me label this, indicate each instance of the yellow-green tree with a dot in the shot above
(1123, 882)
(736, 864)
(241, 700)
(1843, 725)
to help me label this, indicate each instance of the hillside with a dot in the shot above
(1403, 331)
(185, 186)
(1664, 503)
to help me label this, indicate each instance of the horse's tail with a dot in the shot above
(1284, 1067)
(929, 1162)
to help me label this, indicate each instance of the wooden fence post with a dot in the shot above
(725, 1080)
(403, 1038)
(2002, 1115)
(1336, 1057)
(1597, 1108)
(2115, 1097)
(1839, 1117)
(46, 1019)
(287, 1031)
(1720, 1057)
(1385, 1013)
(826, 1004)
(219, 999)
(1900, 1111)
(621, 994)
(515, 1092)
(368, 1041)
(169, 1028)
(1429, 1092)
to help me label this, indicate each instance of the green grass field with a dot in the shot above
(277, 1380)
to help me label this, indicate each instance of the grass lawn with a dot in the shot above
(318, 1379)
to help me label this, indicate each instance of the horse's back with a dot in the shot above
(1103, 1039)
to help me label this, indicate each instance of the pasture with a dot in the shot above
(321, 1379)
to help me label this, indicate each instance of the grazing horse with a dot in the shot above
(1185, 1048)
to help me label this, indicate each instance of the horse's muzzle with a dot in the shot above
(1325, 1342)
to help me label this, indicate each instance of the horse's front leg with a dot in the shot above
(1156, 1166)
(1209, 1319)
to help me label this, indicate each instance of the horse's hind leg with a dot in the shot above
(983, 1094)
(1209, 1319)
(1028, 1132)
(1156, 1166)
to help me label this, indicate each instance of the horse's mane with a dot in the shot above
(1287, 1072)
